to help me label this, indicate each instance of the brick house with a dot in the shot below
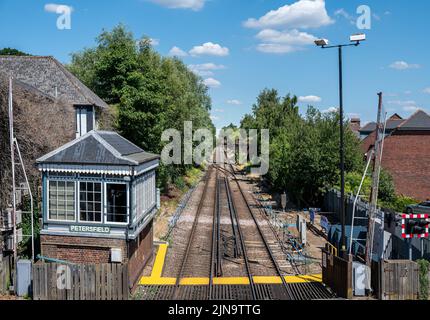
(99, 202)
(406, 152)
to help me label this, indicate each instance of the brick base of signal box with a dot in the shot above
(92, 250)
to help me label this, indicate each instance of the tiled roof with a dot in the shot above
(99, 148)
(419, 121)
(49, 76)
(391, 125)
(370, 127)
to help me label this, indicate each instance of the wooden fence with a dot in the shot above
(53, 281)
(4, 275)
(398, 280)
(337, 274)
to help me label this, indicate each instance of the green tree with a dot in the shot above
(151, 93)
(304, 150)
(12, 52)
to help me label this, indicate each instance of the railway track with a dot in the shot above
(197, 259)
(302, 291)
(261, 249)
(226, 240)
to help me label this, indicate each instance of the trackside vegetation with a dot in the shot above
(304, 152)
(149, 93)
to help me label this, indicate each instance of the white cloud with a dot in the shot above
(214, 118)
(219, 110)
(406, 105)
(343, 13)
(309, 99)
(177, 52)
(403, 65)
(353, 115)
(331, 110)
(276, 48)
(376, 17)
(154, 42)
(402, 102)
(411, 108)
(234, 102)
(427, 90)
(57, 8)
(212, 83)
(205, 69)
(293, 37)
(207, 66)
(301, 14)
(210, 48)
(274, 41)
(181, 4)
(204, 73)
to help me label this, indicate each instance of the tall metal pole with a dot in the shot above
(374, 191)
(31, 197)
(12, 157)
(351, 240)
(342, 156)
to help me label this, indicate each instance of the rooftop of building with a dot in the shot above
(99, 148)
(419, 121)
(47, 75)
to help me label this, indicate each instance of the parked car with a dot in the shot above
(422, 208)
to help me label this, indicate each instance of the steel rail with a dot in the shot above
(219, 271)
(232, 208)
(214, 263)
(284, 249)
(191, 236)
(259, 207)
(263, 237)
(236, 247)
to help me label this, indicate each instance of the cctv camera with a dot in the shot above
(358, 37)
(321, 42)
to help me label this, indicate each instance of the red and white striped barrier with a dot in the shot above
(414, 216)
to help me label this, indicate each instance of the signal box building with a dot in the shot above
(99, 201)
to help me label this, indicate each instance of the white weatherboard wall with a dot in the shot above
(144, 194)
(81, 122)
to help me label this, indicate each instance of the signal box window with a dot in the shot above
(116, 195)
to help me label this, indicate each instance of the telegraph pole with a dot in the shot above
(375, 188)
(12, 157)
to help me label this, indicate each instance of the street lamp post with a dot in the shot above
(323, 43)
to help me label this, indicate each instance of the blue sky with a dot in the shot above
(248, 48)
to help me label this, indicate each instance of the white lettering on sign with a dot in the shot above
(90, 229)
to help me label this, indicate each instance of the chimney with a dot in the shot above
(355, 125)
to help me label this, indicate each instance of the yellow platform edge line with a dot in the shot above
(229, 281)
(157, 269)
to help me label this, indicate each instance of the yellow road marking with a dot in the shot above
(157, 269)
(228, 280)
(157, 279)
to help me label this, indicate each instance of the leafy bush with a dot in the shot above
(399, 203)
(180, 183)
(193, 176)
(423, 266)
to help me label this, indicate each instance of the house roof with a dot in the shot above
(419, 121)
(99, 148)
(391, 125)
(49, 76)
